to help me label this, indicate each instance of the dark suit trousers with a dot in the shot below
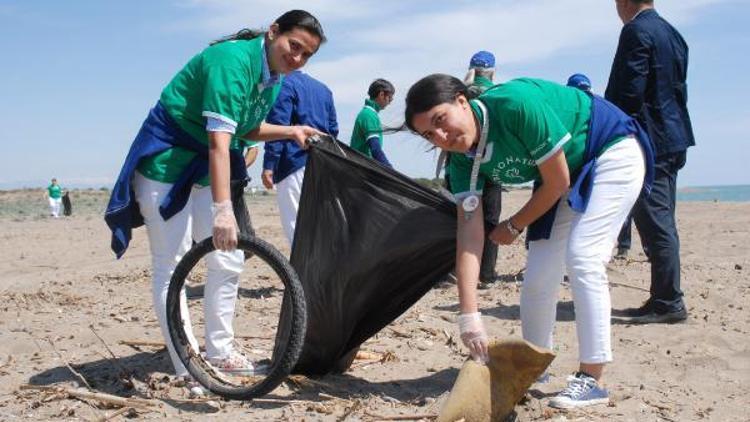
(491, 205)
(623, 239)
(654, 218)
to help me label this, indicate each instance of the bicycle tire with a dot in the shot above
(285, 355)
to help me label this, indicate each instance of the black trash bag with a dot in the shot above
(67, 205)
(369, 243)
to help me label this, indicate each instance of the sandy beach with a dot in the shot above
(66, 306)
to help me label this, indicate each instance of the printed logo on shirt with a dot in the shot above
(513, 174)
(509, 168)
(536, 150)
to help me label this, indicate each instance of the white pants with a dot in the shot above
(288, 192)
(54, 206)
(169, 241)
(582, 244)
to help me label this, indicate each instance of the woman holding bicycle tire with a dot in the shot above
(177, 173)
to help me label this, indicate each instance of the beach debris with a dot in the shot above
(143, 343)
(103, 398)
(415, 417)
(367, 355)
(484, 393)
(399, 333)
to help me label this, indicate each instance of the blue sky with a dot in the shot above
(78, 77)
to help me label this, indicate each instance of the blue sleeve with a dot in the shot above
(281, 112)
(627, 81)
(271, 155)
(333, 124)
(377, 152)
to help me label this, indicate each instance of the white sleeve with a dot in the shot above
(216, 125)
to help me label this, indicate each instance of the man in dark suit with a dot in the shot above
(647, 81)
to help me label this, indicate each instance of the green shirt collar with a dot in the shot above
(268, 78)
(373, 104)
(477, 111)
(478, 114)
(482, 82)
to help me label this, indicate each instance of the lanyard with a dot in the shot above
(471, 202)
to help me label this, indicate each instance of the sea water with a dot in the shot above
(733, 193)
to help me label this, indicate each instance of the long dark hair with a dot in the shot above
(286, 22)
(430, 91)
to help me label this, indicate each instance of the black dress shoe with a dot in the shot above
(487, 282)
(640, 311)
(657, 318)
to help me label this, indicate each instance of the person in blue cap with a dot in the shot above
(580, 81)
(481, 72)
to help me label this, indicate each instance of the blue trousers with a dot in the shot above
(623, 239)
(654, 217)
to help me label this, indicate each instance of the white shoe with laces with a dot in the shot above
(582, 390)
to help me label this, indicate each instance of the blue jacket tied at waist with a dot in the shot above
(158, 133)
(607, 123)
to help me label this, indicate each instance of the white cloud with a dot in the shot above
(219, 16)
(403, 41)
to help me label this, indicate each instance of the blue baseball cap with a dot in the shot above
(482, 59)
(580, 81)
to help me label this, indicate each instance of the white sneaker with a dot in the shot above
(236, 364)
(582, 390)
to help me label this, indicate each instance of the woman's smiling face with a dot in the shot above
(449, 126)
(290, 50)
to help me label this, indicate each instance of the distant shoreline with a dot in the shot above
(721, 193)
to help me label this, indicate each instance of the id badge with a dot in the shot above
(470, 204)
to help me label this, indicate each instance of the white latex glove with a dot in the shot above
(225, 226)
(474, 336)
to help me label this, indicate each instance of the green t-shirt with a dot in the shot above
(480, 85)
(54, 191)
(529, 120)
(366, 126)
(482, 82)
(224, 81)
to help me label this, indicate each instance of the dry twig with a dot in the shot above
(90, 395)
(115, 414)
(114, 360)
(630, 286)
(68, 365)
(142, 343)
(401, 417)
